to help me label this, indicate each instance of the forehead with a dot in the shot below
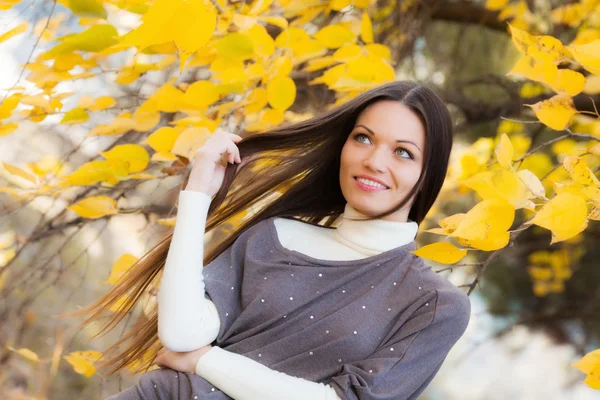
(393, 120)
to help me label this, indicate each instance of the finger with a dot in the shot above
(236, 138)
(232, 152)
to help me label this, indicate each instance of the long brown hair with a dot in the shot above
(303, 183)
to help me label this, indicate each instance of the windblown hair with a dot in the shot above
(302, 183)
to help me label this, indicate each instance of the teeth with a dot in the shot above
(371, 183)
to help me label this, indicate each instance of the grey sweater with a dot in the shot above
(297, 314)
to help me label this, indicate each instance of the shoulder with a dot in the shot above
(452, 304)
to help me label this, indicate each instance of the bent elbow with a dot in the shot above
(178, 341)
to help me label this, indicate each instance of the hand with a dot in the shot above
(180, 361)
(209, 162)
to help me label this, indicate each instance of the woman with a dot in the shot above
(289, 307)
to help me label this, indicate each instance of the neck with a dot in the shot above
(373, 236)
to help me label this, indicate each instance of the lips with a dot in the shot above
(371, 179)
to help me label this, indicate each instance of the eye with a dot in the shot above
(359, 135)
(406, 151)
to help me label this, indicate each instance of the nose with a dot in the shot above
(375, 161)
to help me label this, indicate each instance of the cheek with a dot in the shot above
(345, 157)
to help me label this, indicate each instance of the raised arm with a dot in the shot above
(187, 320)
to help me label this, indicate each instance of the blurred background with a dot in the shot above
(80, 79)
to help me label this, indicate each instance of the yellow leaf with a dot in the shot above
(520, 38)
(592, 84)
(450, 223)
(334, 36)
(167, 98)
(589, 362)
(537, 69)
(48, 164)
(163, 139)
(190, 140)
(441, 252)
(90, 173)
(85, 101)
(291, 36)
(95, 207)
(556, 112)
(338, 5)
(7, 129)
(96, 38)
(568, 82)
(281, 92)
(116, 127)
(282, 66)
(495, 4)
(532, 182)
(255, 71)
(120, 267)
(236, 45)
(588, 55)
(437, 231)
(127, 77)
(144, 119)
(194, 26)
(75, 116)
(102, 103)
(201, 94)
(19, 176)
(244, 22)
(25, 352)
(6, 4)
(501, 184)
(370, 69)
(83, 361)
(595, 149)
(579, 171)
(262, 43)
(13, 32)
(496, 239)
(366, 28)
(346, 53)
(134, 156)
(87, 8)
(40, 101)
(379, 51)
(320, 63)
(187, 24)
(505, 151)
(257, 100)
(592, 193)
(279, 22)
(8, 105)
(487, 217)
(269, 118)
(565, 215)
(570, 14)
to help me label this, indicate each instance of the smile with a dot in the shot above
(369, 185)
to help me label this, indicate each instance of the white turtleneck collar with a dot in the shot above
(372, 237)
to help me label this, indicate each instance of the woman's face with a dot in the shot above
(386, 144)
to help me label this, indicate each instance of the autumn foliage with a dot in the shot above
(196, 65)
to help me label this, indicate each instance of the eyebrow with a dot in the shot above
(397, 141)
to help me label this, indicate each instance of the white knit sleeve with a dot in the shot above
(245, 379)
(187, 320)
